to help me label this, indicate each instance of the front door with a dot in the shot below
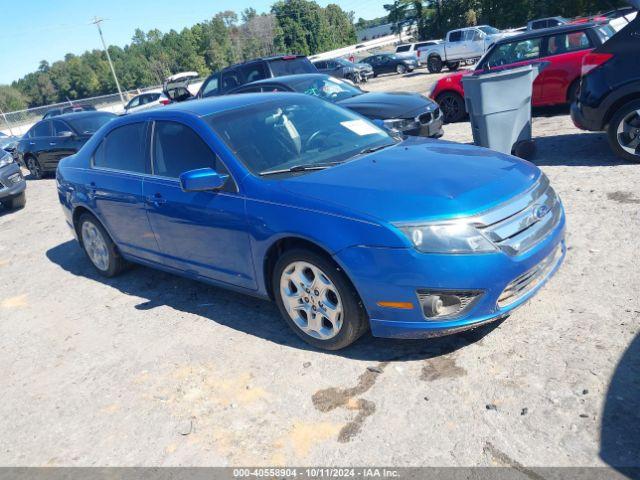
(65, 141)
(203, 233)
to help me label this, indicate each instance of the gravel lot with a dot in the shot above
(152, 369)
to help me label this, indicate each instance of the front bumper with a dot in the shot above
(395, 275)
(12, 183)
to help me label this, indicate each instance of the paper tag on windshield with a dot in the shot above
(361, 127)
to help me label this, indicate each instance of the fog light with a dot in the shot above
(443, 305)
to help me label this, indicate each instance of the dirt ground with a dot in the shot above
(151, 369)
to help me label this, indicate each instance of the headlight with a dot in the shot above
(5, 159)
(401, 124)
(448, 238)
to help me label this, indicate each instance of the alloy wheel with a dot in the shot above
(312, 300)
(34, 168)
(628, 133)
(401, 69)
(450, 107)
(95, 246)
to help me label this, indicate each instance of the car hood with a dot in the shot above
(388, 105)
(418, 180)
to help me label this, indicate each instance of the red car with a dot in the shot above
(562, 47)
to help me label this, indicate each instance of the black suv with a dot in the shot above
(609, 97)
(234, 76)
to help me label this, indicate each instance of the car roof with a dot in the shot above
(288, 79)
(548, 31)
(75, 115)
(213, 105)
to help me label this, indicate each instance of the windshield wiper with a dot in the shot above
(299, 168)
(369, 150)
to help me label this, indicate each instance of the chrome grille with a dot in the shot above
(529, 280)
(522, 223)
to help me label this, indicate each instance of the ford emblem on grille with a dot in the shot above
(540, 212)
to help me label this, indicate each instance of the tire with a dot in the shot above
(35, 169)
(453, 66)
(624, 132)
(434, 64)
(572, 92)
(452, 106)
(304, 284)
(16, 203)
(97, 243)
(401, 69)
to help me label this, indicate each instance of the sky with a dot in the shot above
(48, 29)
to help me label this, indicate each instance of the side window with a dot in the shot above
(473, 35)
(123, 149)
(211, 87)
(455, 36)
(230, 80)
(568, 42)
(403, 48)
(321, 65)
(508, 53)
(539, 24)
(59, 127)
(253, 72)
(43, 129)
(134, 102)
(153, 97)
(178, 149)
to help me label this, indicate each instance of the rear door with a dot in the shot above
(119, 165)
(203, 233)
(42, 143)
(564, 52)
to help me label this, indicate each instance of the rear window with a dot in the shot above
(605, 32)
(568, 42)
(403, 48)
(91, 124)
(123, 149)
(294, 66)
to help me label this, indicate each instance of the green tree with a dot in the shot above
(11, 99)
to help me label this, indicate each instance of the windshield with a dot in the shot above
(326, 88)
(489, 30)
(90, 124)
(292, 132)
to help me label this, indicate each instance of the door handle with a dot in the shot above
(155, 200)
(32, 143)
(92, 187)
(52, 144)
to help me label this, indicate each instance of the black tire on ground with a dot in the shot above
(15, 203)
(116, 264)
(34, 167)
(401, 69)
(624, 129)
(452, 106)
(354, 318)
(434, 64)
(453, 66)
(572, 92)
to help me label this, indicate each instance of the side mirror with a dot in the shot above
(202, 180)
(66, 134)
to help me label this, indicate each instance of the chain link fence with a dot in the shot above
(19, 122)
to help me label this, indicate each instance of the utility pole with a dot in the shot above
(97, 21)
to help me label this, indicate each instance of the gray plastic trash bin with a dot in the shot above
(499, 106)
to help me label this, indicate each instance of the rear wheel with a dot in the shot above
(624, 132)
(15, 203)
(434, 64)
(317, 300)
(99, 247)
(35, 169)
(453, 66)
(452, 106)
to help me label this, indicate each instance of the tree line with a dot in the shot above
(291, 26)
(434, 18)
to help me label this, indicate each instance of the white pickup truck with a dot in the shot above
(460, 45)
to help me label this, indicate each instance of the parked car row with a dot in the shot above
(12, 183)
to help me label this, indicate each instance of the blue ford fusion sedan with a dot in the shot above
(344, 226)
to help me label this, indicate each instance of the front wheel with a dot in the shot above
(452, 106)
(401, 69)
(317, 300)
(99, 247)
(15, 203)
(624, 132)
